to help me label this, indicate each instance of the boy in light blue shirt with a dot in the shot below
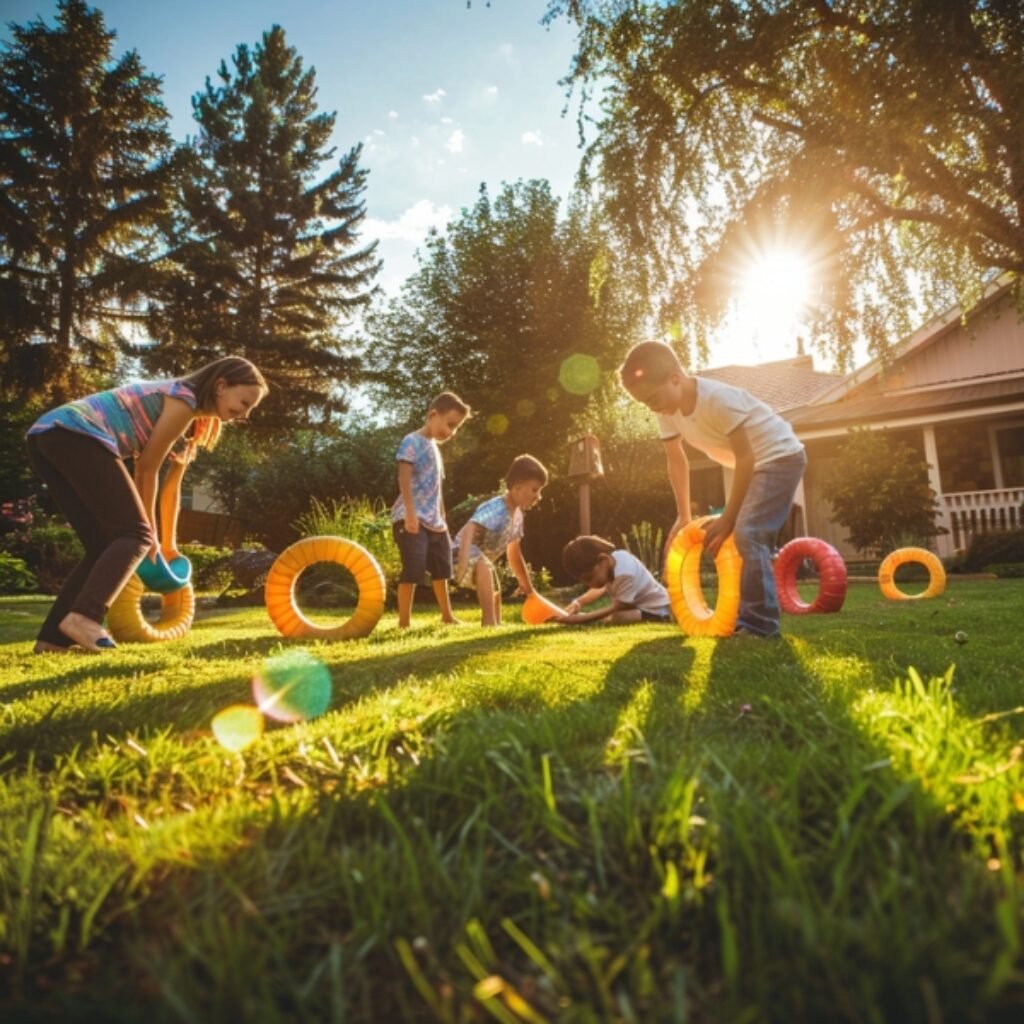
(494, 529)
(417, 516)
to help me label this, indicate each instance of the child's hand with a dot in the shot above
(412, 522)
(716, 534)
(573, 606)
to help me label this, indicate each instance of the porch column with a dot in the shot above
(944, 542)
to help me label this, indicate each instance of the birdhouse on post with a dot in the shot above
(585, 465)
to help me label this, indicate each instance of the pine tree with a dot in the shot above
(84, 173)
(266, 261)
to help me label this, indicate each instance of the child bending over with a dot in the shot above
(636, 596)
(496, 527)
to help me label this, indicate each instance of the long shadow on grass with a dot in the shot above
(144, 699)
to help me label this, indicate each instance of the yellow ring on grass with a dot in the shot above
(682, 580)
(127, 624)
(901, 556)
(285, 572)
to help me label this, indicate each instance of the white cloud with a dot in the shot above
(435, 97)
(491, 92)
(531, 139)
(507, 52)
(447, 120)
(377, 131)
(455, 141)
(412, 225)
(392, 115)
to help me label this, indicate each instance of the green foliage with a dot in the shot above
(85, 174)
(15, 576)
(503, 299)
(879, 140)
(646, 542)
(878, 489)
(268, 482)
(265, 260)
(988, 548)
(365, 521)
(1007, 570)
(49, 547)
(823, 828)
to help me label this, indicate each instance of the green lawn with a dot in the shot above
(527, 824)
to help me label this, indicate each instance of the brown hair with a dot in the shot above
(651, 361)
(447, 402)
(523, 468)
(232, 370)
(580, 555)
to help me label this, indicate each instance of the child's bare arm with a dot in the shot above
(412, 521)
(588, 597)
(464, 541)
(517, 564)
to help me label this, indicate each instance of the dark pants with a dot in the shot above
(93, 489)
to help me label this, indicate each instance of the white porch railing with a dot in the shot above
(971, 512)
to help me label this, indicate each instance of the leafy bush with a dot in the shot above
(15, 576)
(50, 549)
(993, 549)
(1007, 570)
(645, 541)
(879, 491)
(363, 520)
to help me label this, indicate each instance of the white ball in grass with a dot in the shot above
(960, 636)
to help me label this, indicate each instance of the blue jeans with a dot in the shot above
(762, 515)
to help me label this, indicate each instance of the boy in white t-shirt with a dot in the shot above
(636, 596)
(737, 430)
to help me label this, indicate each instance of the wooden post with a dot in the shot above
(585, 507)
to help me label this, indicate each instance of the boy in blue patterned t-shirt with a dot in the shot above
(495, 528)
(417, 516)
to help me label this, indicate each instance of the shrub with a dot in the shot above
(993, 549)
(15, 576)
(645, 541)
(1007, 570)
(50, 549)
(878, 489)
(363, 520)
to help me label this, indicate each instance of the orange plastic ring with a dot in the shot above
(682, 575)
(285, 572)
(831, 576)
(127, 623)
(901, 556)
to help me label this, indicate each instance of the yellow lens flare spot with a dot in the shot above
(525, 408)
(579, 374)
(497, 424)
(237, 727)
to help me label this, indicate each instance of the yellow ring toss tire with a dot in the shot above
(128, 625)
(901, 556)
(682, 576)
(285, 572)
(832, 577)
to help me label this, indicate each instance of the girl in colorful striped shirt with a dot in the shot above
(79, 450)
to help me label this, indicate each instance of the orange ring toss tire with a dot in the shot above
(128, 625)
(902, 556)
(285, 572)
(682, 575)
(831, 571)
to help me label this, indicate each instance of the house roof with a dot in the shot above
(927, 334)
(906, 405)
(784, 384)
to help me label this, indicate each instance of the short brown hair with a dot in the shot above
(447, 402)
(523, 468)
(580, 555)
(651, 361)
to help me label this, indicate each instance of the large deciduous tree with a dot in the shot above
(885, 139)
(266, 260)
(512, 308)
(84, 174)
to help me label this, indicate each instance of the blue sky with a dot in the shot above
(442, 96)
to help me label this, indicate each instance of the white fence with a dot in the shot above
(972, 512)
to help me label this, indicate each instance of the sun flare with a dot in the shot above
(769, 306)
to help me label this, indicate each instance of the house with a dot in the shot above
(953, 390)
